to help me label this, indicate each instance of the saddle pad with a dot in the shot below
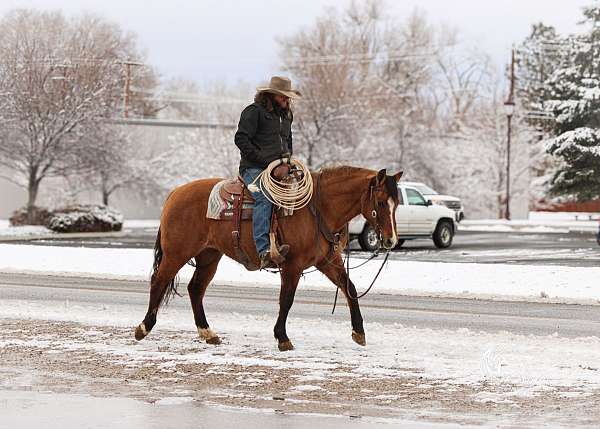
(220, 209)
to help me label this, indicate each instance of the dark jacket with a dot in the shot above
(263, 136)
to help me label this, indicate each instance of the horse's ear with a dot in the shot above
(381, 175)
(398, 175)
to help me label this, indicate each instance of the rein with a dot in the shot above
(357, 297)
(334, 241)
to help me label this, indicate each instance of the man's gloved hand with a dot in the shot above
(281, 171)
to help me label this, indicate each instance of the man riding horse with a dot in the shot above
(316, 231)
(264, 135)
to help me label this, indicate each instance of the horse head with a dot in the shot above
(378, 206)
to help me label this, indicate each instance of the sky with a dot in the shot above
(232, 41)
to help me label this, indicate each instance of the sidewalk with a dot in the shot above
(538, 222)
(36, 232)
(529, 226)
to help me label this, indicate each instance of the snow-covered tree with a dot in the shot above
(579, 174)
(538, 57)
(190, 154)
(404, 95)
(58, 76)
(574, 102)
(118, 161)
(330, 62)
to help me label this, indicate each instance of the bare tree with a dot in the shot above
(186, 155)
(363, 77)
(57, 77)
(464, 80)
(332, 63)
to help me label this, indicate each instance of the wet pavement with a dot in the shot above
(32, 410)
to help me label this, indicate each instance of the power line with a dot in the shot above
(192, 100)
(170, 123)
(360, 58)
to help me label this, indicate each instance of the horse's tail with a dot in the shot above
(158, 255)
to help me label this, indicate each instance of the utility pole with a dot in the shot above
(509, 109)
(126, 90)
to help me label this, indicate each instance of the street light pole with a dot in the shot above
(509, 109)
(508, 132)
(126, 85)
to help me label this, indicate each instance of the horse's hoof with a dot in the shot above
(209, 336)
(359, 338)
(214, 340)
(141, 332)
(285, 346)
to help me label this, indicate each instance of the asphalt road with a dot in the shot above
(565, 320)
(570, 249)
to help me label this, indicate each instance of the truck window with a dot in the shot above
(414, 198)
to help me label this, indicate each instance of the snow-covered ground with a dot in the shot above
(504, 281)
(440, 374)
(30, 231)
(469, 358)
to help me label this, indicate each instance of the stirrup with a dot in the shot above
(269, 260)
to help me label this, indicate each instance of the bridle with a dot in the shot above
(335, 238)
(373, 201)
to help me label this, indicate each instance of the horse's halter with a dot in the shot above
(373, 215)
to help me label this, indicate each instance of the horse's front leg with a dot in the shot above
(334, 270)
(289, 283)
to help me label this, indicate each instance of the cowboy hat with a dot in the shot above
(280, 85)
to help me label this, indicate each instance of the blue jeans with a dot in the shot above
(261, 214)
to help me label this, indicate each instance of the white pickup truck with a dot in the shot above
(416, 217)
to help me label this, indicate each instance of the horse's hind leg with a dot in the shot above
(159, 284)
(334, 270)
(206, 267)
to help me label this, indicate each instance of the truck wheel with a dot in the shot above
(443, 234)
(399, 244)
(368, 239)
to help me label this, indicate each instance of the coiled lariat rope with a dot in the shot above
(288, 194)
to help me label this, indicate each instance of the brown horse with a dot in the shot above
(341, 193)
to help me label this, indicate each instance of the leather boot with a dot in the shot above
(267, 262)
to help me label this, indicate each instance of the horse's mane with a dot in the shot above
(341, 172)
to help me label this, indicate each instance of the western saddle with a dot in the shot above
(235, 192)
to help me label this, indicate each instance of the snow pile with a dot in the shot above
(537, 224)
(86, 218)
(140, 223)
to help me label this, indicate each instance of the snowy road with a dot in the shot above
(447, 361)
(573, 249)
(526, 318)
